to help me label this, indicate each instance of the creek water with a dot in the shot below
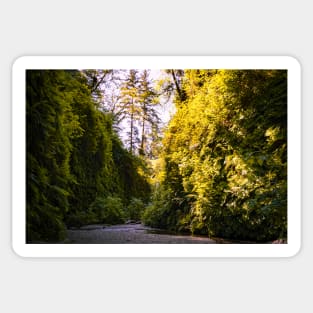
(131, 234)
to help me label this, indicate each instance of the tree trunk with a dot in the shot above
(131, 126)
(180, 93)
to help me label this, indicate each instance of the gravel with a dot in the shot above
(129, 233)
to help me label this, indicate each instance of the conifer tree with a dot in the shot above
(149, 118)
(129, 100)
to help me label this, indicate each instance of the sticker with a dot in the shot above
(253, 178)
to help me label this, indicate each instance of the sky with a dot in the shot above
(165, 109)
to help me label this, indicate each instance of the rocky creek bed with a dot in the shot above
(131, 234)
(136, 233)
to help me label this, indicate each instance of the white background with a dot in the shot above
(167, 27)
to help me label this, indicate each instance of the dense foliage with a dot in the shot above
(220, 171)
(224, 159)
(77, 168)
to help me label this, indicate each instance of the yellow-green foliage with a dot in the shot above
(225, 154)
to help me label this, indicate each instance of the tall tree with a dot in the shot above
(129, 100)
(176, 84)
(149, 118)
(97, 81)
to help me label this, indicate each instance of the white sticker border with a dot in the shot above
(155, 250)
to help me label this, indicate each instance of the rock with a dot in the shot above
(132, 222)
(91, 227)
